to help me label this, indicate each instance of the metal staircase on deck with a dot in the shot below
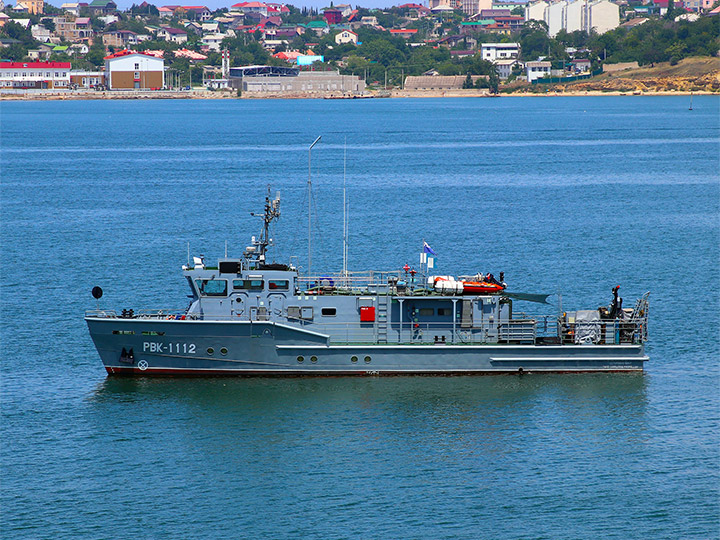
(382, 318)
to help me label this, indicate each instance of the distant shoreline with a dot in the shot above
(394, 94)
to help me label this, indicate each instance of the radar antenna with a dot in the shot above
(271, 213)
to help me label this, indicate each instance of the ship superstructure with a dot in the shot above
(248, 316)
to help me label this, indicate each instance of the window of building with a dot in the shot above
(137, 74)
(212, 287)
(278, 284)
(249, 284)
(137, 66)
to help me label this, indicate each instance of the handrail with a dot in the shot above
(545, 329)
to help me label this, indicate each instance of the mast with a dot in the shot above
(271, 213)
(345, 222)
(310, 205)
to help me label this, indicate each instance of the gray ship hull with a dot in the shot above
(150, 347)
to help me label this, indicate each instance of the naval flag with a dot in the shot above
(428, 249)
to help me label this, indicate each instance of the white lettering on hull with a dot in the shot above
(169, 348)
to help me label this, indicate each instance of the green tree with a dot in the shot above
(468, 82)
(49, 24)
(15, 52)
(96, 54)
(493, 81)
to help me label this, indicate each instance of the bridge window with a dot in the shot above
(212, 287)
(278, 284)
(427, 312)
(443, 311)
(249, 284)
(329, 311)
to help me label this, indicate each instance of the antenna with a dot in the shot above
(310, 204)
(226, 249)
(188, 244)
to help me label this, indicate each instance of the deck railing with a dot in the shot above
(369, 282)
(545, 329)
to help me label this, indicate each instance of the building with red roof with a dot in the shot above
(251, 7)
(197, 13)
(125, 70)
(42, 75)
(407, 33)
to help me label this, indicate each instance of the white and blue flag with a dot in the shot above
(428, 249)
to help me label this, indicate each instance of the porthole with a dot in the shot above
(368, 359)
(313, 359)
(210, 351)
(223, 351)
(354, 359)
(300, 359)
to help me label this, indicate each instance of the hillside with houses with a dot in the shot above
(491, 45)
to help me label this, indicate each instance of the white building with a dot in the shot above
(71, 7)
(504, 67)
(473, 7)
(40, 33)
(174, 35)
(346, 9)
(537, 70)
(603, 16)
(369, 21)
(499, 51)
(127, 70)
(34, 74)
(535, 11)
(555, 17)
(571, 15)
(346, 36)
(87, 79)
(213, 42)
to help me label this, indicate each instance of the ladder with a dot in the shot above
(641, 308)
(382, 318)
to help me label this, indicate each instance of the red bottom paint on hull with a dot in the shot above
(159, 372)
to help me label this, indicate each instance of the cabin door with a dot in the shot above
(466, 317)
(276, 305)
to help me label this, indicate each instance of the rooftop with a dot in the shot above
(34, 65)
(127, 52)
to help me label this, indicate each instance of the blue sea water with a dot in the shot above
(563, 194)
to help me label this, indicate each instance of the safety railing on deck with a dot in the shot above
(544, 329)
(369, 282)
